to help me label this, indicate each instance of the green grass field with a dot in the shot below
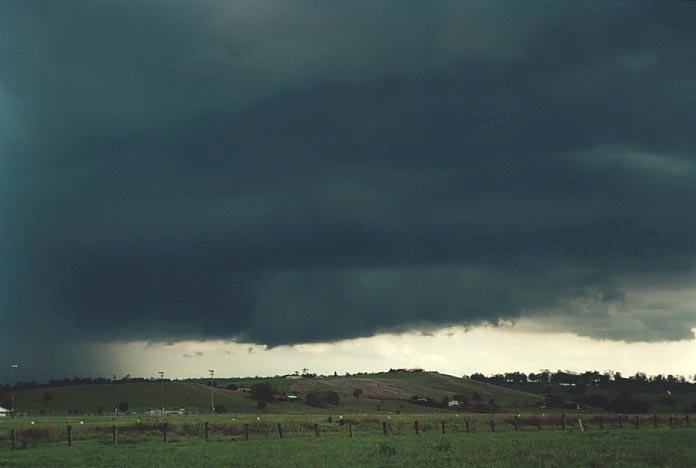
(538, 440)
(622, 448)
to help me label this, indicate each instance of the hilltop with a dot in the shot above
(393, 392)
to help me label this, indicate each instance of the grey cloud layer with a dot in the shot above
(288, 172)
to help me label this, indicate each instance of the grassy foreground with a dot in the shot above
(657, 447)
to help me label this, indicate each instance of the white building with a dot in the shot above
(4, 412)
(455, 404)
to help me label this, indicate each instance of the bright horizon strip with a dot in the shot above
(453, 350)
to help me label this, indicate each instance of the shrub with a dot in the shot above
(261, 405)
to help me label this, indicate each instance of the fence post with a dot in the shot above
(516, 426)
(686, 419)
(655, 421)
(466, 424)
(280, 431)
(13, 437)
(246, 432)
(582, 428)
(384, 427)
(164, 432)
(601, 422)
(316, 430)
(205, 430)
(69, 436)
(415, 425)
(114, 431)
(350, 429)
(492, 425)
(442, 423)
(637, 422)
(671, 421)
(563, 422)
(621, 421)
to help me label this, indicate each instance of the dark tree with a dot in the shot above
(262, 392)
(316, 399)
(356, 393)
(625, 403)
(332, 398)
(123, 406)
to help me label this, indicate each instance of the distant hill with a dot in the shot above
(380, 392)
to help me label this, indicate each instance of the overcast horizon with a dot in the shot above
(460, 186)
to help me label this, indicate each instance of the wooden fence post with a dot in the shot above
(280, 431)
(442, 423)
(164, 432)
(69, 436)
(686, 420)
(563, 425)
(637, 422)
(316, 430)
(384, 427)
(205, 430)
(671, 421)
(114, 433)
(350, 429)
(415, 425)
(466, 424)
(246, 432)
(601, 422)
(492, 425)
(582, 428)
(515, 424)
(621, 421)
(13, 438)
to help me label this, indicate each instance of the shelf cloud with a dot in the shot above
(292, 172)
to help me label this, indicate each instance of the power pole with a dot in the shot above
(212, 393)
(161, 376)
(13, 370)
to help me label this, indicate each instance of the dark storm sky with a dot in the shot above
(283, 172)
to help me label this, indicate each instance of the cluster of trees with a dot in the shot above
(320, 399)
(475, 404)
(71, 381)
(579, 382)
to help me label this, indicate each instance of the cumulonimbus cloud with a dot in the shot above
(290, 172)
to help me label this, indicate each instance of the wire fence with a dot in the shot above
(130, 433)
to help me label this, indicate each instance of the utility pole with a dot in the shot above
(113, 381)
(212, 393)
(161, 376)
(13, 370)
